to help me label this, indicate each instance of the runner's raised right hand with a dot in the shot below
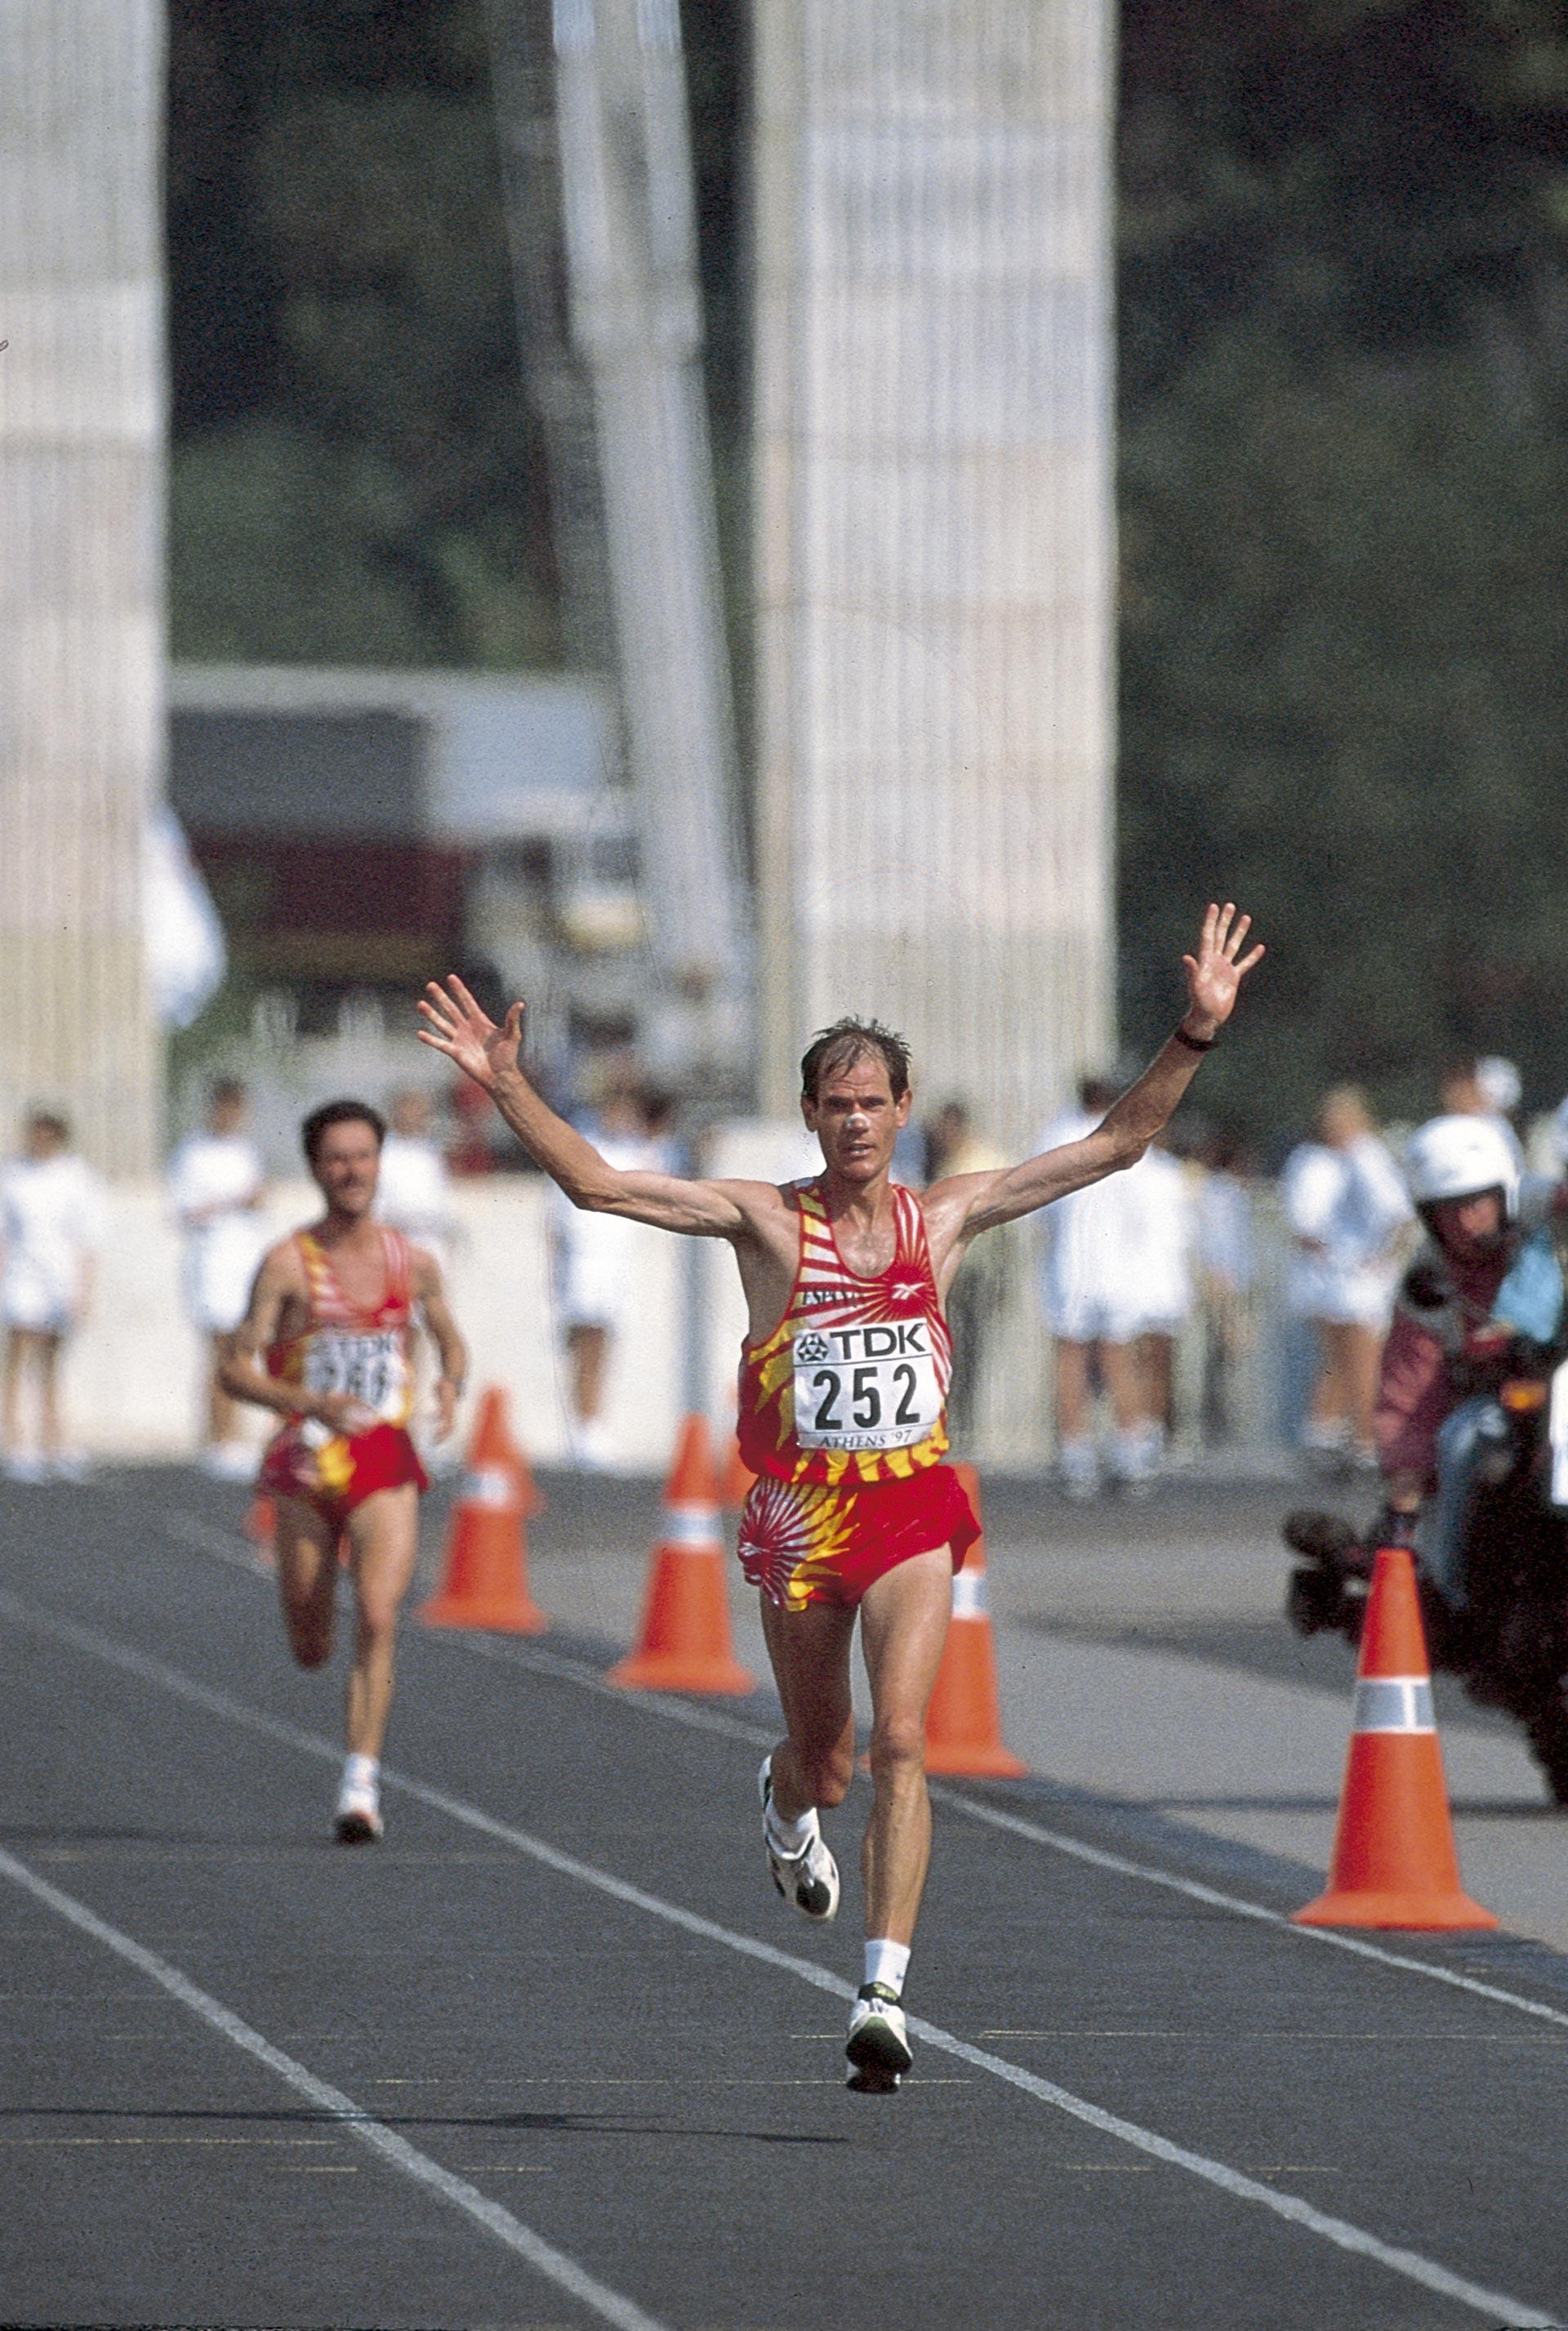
(458, 1026)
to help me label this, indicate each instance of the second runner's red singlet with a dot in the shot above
(842, 1418)
(365, 1353)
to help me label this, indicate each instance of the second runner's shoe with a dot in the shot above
(357, 1820)
(809, 1878)
(878, 2046)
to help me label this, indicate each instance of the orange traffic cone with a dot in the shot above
(1393, 1862)
(964, 1721)
(684, 1644)
(486, 1581)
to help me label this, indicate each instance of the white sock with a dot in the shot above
(362, 1772)
(791, 1837)
(886, 1963)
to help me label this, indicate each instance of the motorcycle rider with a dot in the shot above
(1488, 1274)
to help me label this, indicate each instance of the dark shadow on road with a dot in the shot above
(568, 2123)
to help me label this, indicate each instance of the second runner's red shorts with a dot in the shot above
(342, 1473)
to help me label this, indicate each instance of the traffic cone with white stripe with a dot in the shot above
(486, 1579)
(1393, 1862)
(684, 1644)
(963, 1720)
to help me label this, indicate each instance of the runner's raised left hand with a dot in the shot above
(1214, 974)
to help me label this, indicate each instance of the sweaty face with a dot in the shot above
(856, 1119)
(347, 1164)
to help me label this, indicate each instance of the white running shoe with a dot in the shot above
(878, 2046)
(357, 1820)
(809, 1878)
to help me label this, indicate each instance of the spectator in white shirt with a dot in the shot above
(1166, 1192)
(1347, 1206)
(50, 1230)
(1094, 1298)
(216, 1190)
(597, 1258)
(414, 1193)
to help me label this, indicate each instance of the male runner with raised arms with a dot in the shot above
(328, 1343)
(843, 1377)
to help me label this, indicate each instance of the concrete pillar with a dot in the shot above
(935, 544)
(637, 329)
(82, 477)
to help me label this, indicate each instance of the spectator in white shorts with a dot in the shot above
(1094, 1303)
(596, 1263)
(215, 1190)
(1347, 1206)
(1165, 1189)
(50, 1226)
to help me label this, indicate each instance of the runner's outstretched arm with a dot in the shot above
(972, 1202)
(456, 1025)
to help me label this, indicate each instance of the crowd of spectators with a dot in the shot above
(1148, 1283)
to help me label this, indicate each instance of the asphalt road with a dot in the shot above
(556, 2055)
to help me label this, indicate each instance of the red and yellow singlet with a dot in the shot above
(365, 1353)
(841, 1417)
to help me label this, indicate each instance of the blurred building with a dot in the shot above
(362, 832)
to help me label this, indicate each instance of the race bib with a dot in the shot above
(873, 1387)
(369, 1368)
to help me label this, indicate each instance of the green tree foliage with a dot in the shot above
(1345, 471)
(355, 475)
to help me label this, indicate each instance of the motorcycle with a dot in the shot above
(1509, 1646)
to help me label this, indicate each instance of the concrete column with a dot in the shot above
(81, 479)
(934, 543)
(637, 329)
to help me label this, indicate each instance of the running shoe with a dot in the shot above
(878, 2046)
(809, 1878)
(357, 1820)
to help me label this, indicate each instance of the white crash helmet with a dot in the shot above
(1458, 1157)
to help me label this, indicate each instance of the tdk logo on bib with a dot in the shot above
(895, 1339)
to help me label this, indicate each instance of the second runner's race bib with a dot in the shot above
(873, 1387)
(370, 1368)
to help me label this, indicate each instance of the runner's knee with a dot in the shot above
(898, 1746)
(375, 1620)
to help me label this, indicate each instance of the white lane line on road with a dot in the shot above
(563, 1669)
(395, 2151)
(567, 1670)
(1411, 2264)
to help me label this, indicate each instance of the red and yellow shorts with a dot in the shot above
(809, 1542)
(341, 1473)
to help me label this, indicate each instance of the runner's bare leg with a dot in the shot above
(814, 1763)
(307, 1545)
(383, 1542)
(904, 1619)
